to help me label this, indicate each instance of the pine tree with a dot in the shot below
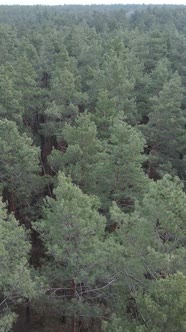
(19, 166)
(153, 239)
(82, 155)
(165, 131)
(16, 284)
(104, 113)
(164, 307)
(77, 266)
(10, 98)
(121, 175)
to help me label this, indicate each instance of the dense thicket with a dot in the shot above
(93, 168)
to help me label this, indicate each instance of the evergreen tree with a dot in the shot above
(19, 166)
(77, 267)
(104, 113)
(153, 239)
(16, 284)
(10, 98)
(96, 92)
(120, 174)
(165, 131)
(163, 307)
(83, 154)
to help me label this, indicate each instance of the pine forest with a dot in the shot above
(93, 168)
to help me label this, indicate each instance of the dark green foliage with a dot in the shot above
(92, 155)
(165, 131)
(16, 284)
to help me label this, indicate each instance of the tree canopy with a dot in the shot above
(93, 168)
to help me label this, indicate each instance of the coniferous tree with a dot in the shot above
(77, 266)
(165, 131)
(16, 284)
(153, 238)
(19, 166)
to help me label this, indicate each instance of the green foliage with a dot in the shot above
(15, 277)
(19, 164)
(104, 113)
(157, 49)
(113, 169)
(82, 154)
(25, 83)
(165, 131)
(163, 307)
(121, 174)
(78, 268)
(97, 93)
(10, 100)
(155, 231)
(153, 238)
